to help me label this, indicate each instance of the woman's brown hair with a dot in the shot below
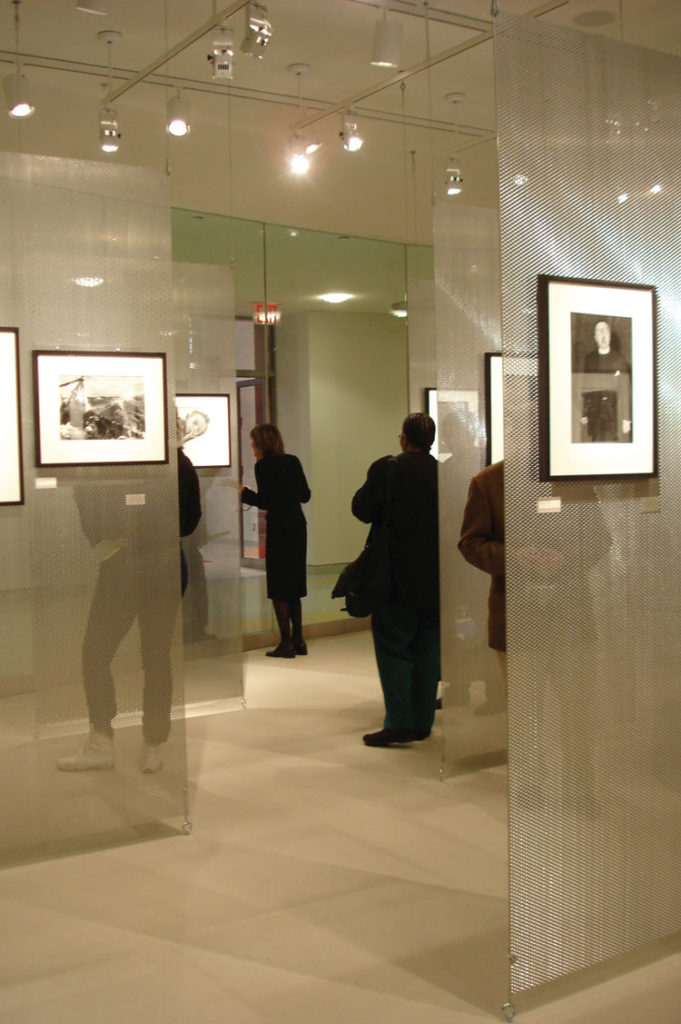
(268, 439)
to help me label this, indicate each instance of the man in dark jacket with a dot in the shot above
(402, 492)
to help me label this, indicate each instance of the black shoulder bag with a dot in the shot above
(365, 583)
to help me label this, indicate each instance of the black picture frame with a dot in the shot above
(494, 407)
(100, 408)
(597, 379)
(207, 440)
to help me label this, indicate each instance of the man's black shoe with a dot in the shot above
(386, 737)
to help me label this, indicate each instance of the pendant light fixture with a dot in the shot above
(387, 48)
(15, 85)
(299, 148)
(177, 119)
(109, 132)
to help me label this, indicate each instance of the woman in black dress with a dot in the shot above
(281, 489)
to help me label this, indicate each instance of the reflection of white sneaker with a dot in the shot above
(151, 758)
(97, 754)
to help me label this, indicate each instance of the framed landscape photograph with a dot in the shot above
(455, 414)
(11, 468)
(494, 406)
(597, 387)
(100, 408)
(203, 428)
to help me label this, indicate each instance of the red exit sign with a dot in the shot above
(266, 312)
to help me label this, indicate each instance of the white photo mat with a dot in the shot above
(562, 456)
(116, 391)
(494, 406)
(207, 441)
(11, 471)
(463, 406)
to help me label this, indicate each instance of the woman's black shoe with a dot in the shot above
(281, 652)
(300, 648)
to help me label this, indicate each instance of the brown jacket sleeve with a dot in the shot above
(482, 543)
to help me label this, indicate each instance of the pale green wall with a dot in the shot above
(342, 387)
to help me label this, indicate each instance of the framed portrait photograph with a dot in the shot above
(203, 429)
(455, 414)
(11, 466)
(494, 407)
(100, 408)
(597, 387)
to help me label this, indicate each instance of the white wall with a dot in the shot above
(342, 394)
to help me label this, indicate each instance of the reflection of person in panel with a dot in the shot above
(482, 543)
(137, 573)
(282, 488)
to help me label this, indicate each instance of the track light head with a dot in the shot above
(17, 95)
(349, 133)
(258, 30)
(387, 48)
(453, 179)
(222, 53)
(177, 120)
(109, 134)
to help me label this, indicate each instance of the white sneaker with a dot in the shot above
(97, 754)
(151, 758)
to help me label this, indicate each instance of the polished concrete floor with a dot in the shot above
(324, 882)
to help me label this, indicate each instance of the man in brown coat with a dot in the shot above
(482, 544)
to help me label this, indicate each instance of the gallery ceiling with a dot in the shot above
(234, 160)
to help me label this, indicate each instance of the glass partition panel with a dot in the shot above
(589, 150)
(91, 649)
(207, 418)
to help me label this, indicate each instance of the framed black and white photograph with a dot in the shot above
(597, 383)
(494, 407)
(100, 408)
(11, 469)
(203, 429)
(456, 417)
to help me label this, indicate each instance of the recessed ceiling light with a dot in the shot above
(622, 197)
(88, 282)
(335, 297)
(655, 190)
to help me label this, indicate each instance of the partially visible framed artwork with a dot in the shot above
(597, 387)
(494, 407)
(11, 467)
(455, 414)
(100, 408)
(203, 429)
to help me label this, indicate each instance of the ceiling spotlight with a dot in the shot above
(352, 140)
(177, 120)
(222, 53)
(298, 156)
(17, 95)
(387, 48)
(655, 190)
(109, 135)
(258, 30)
(622, 197)
(453, 179)
(88, 282)
(15, 85)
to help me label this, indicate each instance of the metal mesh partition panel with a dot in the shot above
(588, 128)
(468, 325)
(90, 625)
(205, 372)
